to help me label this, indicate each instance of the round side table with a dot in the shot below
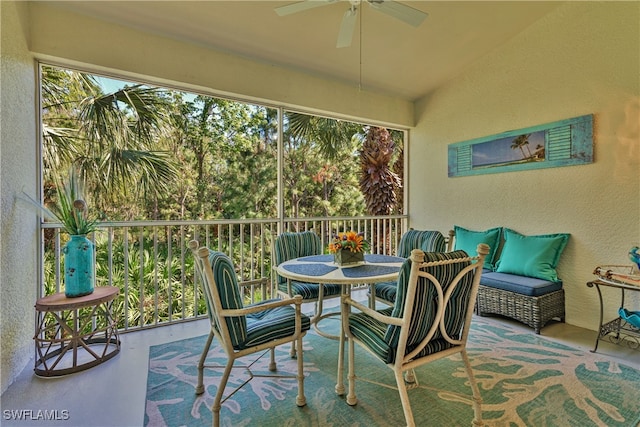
(74, 334)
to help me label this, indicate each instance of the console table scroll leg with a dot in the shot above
(599, 335)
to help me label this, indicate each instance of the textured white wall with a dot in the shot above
(584, 58)
(18, 245)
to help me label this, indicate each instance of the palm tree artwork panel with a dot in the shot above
(508, 151)
(563, 143)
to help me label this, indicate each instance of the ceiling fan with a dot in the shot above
(409, 15)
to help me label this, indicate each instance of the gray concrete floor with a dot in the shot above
(113, 394)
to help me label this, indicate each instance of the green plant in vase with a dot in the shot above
(70, 209)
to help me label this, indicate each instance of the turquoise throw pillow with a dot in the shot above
(468, 241)
(532, 256)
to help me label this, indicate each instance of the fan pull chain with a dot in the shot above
(360, 51)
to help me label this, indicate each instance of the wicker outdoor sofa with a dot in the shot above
(533, 310)
(519, 280)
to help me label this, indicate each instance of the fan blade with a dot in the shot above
(300, 6)
(411, 16)
(346, 28)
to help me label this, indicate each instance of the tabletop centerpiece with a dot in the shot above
(348, 248)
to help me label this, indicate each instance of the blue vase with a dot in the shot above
(78, 267)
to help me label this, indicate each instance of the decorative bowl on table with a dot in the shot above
(631, 317)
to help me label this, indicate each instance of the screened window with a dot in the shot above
(148, 152)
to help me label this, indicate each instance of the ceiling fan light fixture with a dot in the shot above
(400, 11)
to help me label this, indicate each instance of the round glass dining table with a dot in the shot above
(322, 269)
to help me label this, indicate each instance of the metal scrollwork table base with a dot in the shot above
(616, 331)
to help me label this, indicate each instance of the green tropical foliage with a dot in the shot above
(147, 153)
(114, 140)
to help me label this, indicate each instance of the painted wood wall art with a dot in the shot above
(563, 143)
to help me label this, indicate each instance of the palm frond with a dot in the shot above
(60, 144)
(132, 114)
(330, 135)
(149, 170)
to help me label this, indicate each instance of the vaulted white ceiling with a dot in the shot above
(386, 54)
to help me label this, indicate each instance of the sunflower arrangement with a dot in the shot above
(350, 240)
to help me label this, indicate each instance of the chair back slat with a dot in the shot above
(290, 245)
(222, 292)
(435, 299)
(229, 294)
(426, 240)
(193, 245)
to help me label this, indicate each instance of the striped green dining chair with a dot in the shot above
(291, 245)
(244, 330)
(426, 240)
(429, 320)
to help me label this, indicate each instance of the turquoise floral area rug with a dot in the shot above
(524, 379)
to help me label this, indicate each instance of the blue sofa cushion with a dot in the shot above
(523, 285)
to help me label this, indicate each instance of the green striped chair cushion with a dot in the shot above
(226, 282)
(310, 290)
(272, 324)
(428, 241)
(386, 291)
(371, 332)
(383, 339)
(295, 245)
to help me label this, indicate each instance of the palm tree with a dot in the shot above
(522, 141)
(332, 136)
(381, 165)
(111, 138)
(398, 169)
(378, 183)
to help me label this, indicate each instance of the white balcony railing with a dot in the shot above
(151, 263)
